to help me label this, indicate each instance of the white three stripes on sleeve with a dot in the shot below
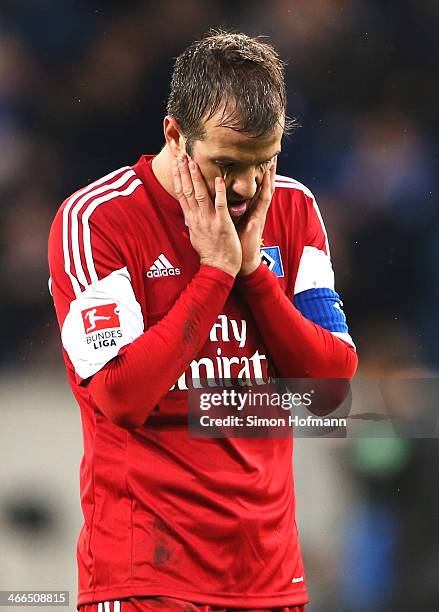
(289, 183)
(74, 218)
(87, 197)
(105, 606)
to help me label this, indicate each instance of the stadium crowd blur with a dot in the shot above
(82, 91)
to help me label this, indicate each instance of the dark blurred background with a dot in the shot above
(83, 87)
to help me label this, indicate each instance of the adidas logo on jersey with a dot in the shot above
(162, 267)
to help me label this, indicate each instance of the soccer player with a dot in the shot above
(197, 263)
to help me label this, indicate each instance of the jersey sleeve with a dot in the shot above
(314, 292)
(97, 309)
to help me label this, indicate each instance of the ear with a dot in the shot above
(173, 135)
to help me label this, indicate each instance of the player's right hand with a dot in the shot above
(211, 229)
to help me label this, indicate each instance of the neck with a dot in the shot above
(162, 168)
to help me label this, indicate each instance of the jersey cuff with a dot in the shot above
(216, 274)
(258, 282)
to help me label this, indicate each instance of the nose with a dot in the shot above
(244, 185)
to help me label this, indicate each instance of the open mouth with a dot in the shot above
(237, 209)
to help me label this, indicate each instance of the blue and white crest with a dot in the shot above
(272, 259)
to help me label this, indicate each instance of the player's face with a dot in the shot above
(239, 158)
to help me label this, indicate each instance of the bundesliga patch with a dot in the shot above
(272, 259)
(104, 316)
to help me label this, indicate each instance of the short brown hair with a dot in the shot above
(240, 74)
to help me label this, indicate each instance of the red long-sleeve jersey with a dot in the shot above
(205, 520)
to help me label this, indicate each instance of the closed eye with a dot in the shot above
(228, 166)
(266, 163)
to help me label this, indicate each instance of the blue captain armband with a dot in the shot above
(324, 307)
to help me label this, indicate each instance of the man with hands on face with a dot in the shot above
(198, 263)
(211, 225)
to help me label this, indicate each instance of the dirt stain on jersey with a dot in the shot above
(162, 549)
(188, 330)
(162, 554)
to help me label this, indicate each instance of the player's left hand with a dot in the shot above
(251, 228)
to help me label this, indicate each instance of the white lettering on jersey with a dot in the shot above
(162, 267)
(239, 333)
(218, 371)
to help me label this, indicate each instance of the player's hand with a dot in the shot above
(252, 226)
(211, 229)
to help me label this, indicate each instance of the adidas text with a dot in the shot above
(158, 273)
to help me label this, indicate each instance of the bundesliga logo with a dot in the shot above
(101, 325)
(104, 316)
